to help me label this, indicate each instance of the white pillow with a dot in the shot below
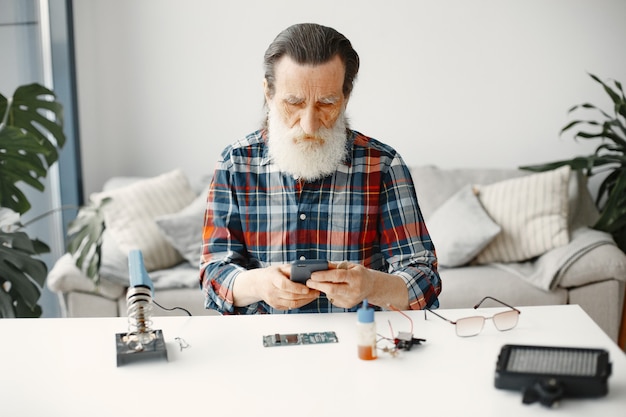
(130, 214)
(460, 228)
(114, 261)
(183, 230)
(532, 212)
(65, 277)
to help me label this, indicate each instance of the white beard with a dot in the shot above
(305, 157)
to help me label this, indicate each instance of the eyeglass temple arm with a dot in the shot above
(496, 300)
(440, 316)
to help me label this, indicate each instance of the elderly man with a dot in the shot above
(306, 186)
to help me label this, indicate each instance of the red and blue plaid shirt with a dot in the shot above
(366, 212)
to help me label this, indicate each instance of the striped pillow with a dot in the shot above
(532, 212)
(130, 216)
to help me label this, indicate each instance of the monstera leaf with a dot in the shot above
(21, 275)
(31, 131)
(85, 239)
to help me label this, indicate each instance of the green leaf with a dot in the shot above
(19, 161)
(24, 311)
(85, 239)
(609, 133)
(572, 124)
(613, 216)
(614, 96)
(25, 274)
(6, 304)
(609, 148)
(545, 167)
(584, 106)
(580, 163)
(33, 104)
(605, 187)
(621, 128)
(31, 132)
(620, 238)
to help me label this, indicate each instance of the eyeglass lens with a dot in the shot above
(469, 326)
(505, 320)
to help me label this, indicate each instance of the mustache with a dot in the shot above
(309, 156)
(308, 139)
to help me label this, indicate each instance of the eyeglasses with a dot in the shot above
(471, 326)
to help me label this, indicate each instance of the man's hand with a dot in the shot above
(272, 285)
(347, 284)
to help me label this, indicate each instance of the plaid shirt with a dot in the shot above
(366, 212)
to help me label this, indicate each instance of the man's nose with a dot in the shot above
(310, 121)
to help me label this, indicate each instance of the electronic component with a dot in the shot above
(405, 341)
(547, 374)
(299, 339)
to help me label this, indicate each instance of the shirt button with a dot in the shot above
(302, 216)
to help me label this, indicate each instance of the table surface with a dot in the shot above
(67, 367)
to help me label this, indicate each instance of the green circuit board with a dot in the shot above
(291, 339)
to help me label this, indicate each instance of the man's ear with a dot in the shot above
(266, 90)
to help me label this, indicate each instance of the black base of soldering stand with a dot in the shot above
(151, 351)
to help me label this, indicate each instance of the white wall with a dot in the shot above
(484, 83)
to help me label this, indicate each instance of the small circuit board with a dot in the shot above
(290, 339)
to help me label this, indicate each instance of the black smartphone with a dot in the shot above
(301, 269)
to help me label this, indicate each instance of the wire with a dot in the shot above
(403, 313)
(171, 309)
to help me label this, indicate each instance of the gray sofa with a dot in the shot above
(522, 238)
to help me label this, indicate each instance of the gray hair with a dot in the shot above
(312, 44)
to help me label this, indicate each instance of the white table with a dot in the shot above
(67, 367)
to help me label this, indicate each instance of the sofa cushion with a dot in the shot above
(533, 213)
(547, 271)
(66, 277)
(460, 228)
(80, 304)
(465, 286)
(114, 263)
(182, 275)
(130, 214)
(434, 185)
(183, 230)
(601, 263)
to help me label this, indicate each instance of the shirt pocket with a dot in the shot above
(353, 234)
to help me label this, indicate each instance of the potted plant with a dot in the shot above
(31, 134)
(609, 158)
